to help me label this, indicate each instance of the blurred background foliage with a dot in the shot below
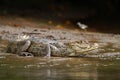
(86, 11)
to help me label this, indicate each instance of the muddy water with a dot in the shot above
(13, 67)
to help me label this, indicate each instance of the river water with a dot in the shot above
(13, 67)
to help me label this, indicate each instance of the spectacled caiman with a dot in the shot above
(27, 45)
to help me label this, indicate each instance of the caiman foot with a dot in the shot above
(26, 54)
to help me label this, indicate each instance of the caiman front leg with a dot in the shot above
(24, 49)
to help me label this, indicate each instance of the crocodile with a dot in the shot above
(28, 45)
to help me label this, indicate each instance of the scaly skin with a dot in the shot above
(43, 47)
